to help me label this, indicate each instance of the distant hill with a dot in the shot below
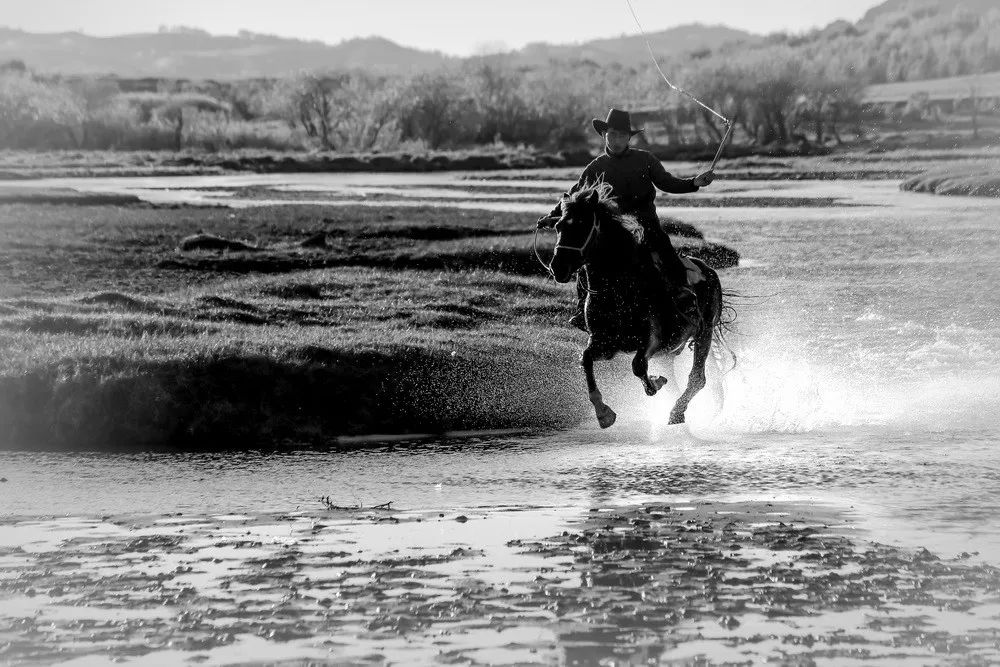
(893, 6)
(195, 54)
(631, 49)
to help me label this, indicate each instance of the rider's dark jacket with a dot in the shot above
(634, 176)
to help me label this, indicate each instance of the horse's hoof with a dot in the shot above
(655, 384)
(607, 419)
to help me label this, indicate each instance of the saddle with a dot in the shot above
(695, 275)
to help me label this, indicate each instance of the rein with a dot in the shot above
(538, 255)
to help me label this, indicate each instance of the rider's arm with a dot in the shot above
(664, 181)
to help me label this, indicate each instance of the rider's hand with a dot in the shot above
(546, 222)
(704, 178)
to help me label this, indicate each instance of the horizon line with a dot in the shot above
(243, 32)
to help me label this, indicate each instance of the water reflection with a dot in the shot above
(900, 475)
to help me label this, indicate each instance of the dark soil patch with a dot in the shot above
(40, 196)
(211, 242)
(319, 240)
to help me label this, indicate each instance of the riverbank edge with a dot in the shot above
(963, 182)
(311, 396)
(26, 165)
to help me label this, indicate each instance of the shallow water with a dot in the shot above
(866, 384)
(867, 333)
(937, 488)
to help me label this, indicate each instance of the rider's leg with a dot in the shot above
(670, 266)
(665, 256)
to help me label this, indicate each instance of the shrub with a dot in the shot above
(34, 114)
(215, 132)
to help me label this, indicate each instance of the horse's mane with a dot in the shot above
(596, 198)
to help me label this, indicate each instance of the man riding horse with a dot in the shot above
(634, 175)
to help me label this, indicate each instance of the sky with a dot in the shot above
(456, 27)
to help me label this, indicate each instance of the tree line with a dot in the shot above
(784, 88)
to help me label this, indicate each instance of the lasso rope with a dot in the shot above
(534, 245)
(652, 55)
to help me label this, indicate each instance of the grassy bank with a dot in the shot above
(971, 181)
(121, 329)
(295, 357)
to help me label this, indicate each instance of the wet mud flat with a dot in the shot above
(733, 583)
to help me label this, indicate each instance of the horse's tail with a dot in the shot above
(722, 320)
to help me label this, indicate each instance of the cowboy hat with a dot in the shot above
(617, 120)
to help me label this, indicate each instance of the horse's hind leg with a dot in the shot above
(640, 367)
(696, 378)
(605, 415)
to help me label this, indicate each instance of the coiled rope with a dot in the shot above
(652, 55)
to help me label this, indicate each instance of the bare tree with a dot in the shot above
(171, 108)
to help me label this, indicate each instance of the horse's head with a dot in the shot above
(579, 230)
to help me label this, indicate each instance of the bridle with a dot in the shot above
(594, 228)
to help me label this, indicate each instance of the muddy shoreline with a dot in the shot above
(737, 582)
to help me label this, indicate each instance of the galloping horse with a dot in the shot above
(626, 311)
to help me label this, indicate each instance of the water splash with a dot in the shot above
(943, 384)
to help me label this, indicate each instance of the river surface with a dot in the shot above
(867, 382)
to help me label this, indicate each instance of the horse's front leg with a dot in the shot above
(696, 378)
(605, 415)
(640, 367)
